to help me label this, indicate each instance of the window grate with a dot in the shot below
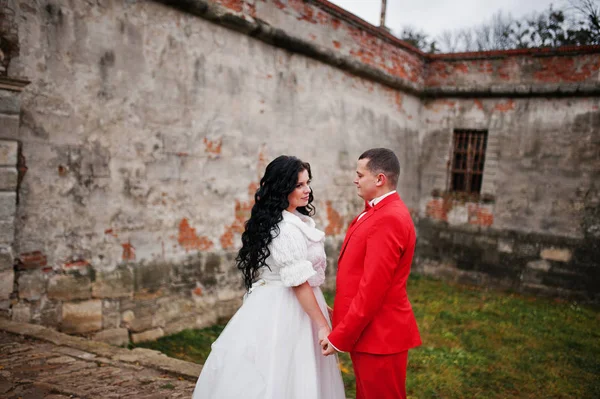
(468, 158)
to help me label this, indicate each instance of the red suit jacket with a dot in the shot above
(371, 311)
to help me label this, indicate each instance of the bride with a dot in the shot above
(270, 348)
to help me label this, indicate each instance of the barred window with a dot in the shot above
(468, 157)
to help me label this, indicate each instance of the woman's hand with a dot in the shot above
(323, 333)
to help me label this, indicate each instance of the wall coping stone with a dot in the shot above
(261, 30)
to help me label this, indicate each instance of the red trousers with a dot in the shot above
(380, 376)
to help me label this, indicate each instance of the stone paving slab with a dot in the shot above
(63, 367)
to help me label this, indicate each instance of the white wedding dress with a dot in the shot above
(270, 349)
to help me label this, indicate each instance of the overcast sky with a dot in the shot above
(435, 16)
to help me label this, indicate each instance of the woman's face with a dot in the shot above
(299, 197)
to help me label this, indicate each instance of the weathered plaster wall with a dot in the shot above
(321, 30)
(540, 194)
(319, 22)
(145, 130)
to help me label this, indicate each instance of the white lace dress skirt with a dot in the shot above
(270, 350)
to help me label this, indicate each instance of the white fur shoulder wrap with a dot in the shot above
(297, 252)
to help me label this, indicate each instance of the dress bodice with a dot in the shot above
(297, 252)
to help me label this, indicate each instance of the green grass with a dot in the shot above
(476, 344)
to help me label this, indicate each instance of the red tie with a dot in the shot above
(367, 206)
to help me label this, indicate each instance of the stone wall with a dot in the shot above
(146, 126)
(512, 260)
(9, 150)
(145, 131)
(540, 195)
(321, 30)
(523, 73)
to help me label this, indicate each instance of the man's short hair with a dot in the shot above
(382, 160)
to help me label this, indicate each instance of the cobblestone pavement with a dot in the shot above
(33, 368)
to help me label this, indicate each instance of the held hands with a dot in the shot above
(326, 348)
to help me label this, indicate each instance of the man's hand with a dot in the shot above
(326, 348)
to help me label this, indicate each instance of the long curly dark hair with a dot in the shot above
(271, 198)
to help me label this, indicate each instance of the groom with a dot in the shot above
(372, 317)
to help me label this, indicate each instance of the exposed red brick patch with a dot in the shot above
(398, 99)
(111, 232)
(484, 67)
(243, 209)
(565, 69)
(439, 72)
(462, 67)
(128, 251)
(304, 11)
(514, 68)
(392, 60)
(505, 107)
(479, 104)
(480, 216)
(252, 9)
(252, 188)
(234, 5)
(337, 44)
(197, 291)
(350, 19)
(32, 260)
(227, 238)
(504, 71)
(76, 264)
(322, 18)
(212, 146)
(279, 4)
(242, 213)
(335, 222)
(189, 240)
(437, 209)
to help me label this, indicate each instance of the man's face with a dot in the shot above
(366, 181)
